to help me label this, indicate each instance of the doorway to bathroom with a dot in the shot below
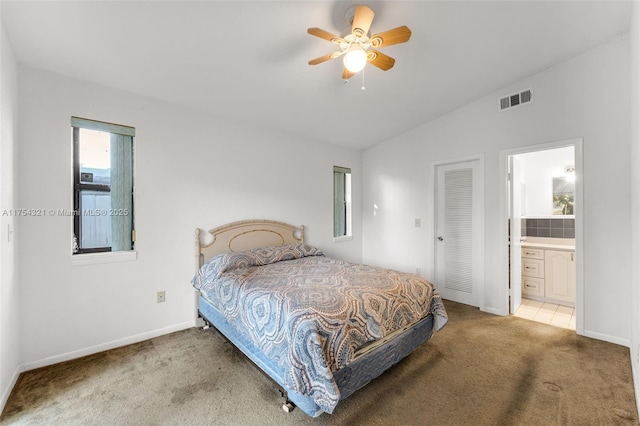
(543, 205)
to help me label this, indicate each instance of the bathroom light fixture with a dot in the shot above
(570, 173)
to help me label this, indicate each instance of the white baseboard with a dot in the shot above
(607, 338)
(7, 392)
(106, 346)
(493, 311)
(635, 375)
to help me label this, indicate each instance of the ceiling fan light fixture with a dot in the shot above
(355, 59)
(355, 47)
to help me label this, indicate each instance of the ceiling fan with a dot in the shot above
(357, 47)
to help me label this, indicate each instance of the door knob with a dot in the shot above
(440, 239)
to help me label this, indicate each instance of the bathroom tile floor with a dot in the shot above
(548, 313)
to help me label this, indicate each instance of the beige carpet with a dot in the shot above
(480, 370)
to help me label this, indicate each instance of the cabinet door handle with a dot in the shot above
(572, 256)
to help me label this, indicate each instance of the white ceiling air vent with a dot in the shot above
(516, 99)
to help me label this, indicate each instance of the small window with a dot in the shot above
(102, 186)
(341, 202)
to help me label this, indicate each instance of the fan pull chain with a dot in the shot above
(363, 88)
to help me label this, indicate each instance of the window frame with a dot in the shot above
(79, 186)
(342, 204)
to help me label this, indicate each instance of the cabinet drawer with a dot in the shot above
(532, 253)
(533, 286)
(533, 268)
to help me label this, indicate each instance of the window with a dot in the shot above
(341, 202)
(102, 186)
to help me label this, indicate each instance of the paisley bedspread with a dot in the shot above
(310, 313)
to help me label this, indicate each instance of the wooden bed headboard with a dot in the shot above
(246, 235)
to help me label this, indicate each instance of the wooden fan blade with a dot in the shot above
(362, 19)
(380, 60)
(347, 74)
(394, 36)
(325, 58)
(325, 35)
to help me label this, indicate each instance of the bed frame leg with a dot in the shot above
(287, 406)
(207, 324)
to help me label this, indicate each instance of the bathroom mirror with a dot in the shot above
(563, 195)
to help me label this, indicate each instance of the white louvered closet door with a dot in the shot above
(459, 242)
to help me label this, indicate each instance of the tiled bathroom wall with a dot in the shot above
(554, 228)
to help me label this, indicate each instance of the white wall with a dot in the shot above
(583, 97)
(192, 170)
(9, 294)
(635, 196)
(539, 169)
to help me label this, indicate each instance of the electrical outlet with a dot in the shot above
(417, 223)
(161, 297)
(418, 271)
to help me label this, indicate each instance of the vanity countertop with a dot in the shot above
(549, 243)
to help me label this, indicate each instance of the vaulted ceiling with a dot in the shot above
(247, 60)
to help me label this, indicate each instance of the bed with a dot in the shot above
(319, 327)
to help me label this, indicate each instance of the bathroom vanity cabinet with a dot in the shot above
(549, 275)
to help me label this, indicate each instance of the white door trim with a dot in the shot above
(515, 208)
(579, 218)
(433, 168)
